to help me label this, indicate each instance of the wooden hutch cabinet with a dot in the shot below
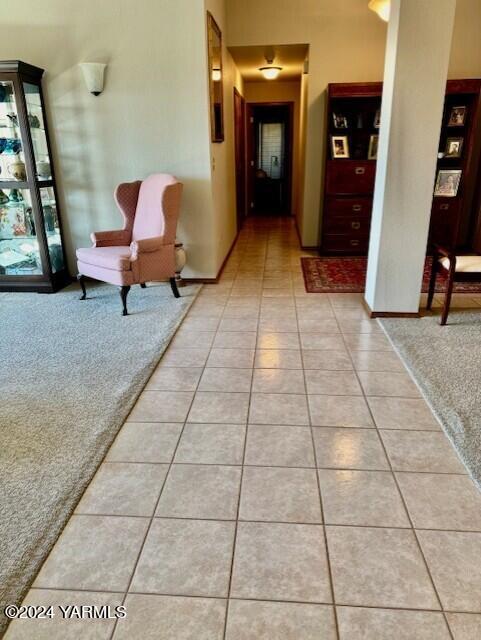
(353, 119)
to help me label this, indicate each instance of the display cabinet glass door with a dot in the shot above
(30, 232)
(19, 248)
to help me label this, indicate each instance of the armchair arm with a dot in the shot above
(146, 245)
(120, 237)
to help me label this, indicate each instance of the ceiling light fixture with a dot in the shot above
(381, 7)
(270, 72)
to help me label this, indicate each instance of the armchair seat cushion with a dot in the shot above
(464, 264)
(115, 258)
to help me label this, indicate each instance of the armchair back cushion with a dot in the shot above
(157, 208)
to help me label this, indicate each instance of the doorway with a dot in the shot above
(269, 153)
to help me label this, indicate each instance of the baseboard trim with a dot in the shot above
(219, 274)
(389, 314)
(200, 280)
(303, 246)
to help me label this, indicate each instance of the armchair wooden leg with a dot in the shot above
(432, 280)
(124, 291)
(175, 291)
(449, 291)
(142, 285)
(81, 281)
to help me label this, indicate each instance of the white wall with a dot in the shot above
(347, 43)
(223, 153)
(152, 116)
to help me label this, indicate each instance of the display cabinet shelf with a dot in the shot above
(32, 254)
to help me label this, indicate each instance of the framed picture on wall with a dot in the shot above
(457, 117)
(216, 87)
(447, 183)
(340, 121)
(373, 143)
(453, 147)
(340, 147)
(377, 119)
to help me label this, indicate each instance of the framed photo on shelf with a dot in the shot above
(340, 147)
(377, 119)
(447, 183)
(372, 151)
(457, 117)
(340, 121)
(454, 147)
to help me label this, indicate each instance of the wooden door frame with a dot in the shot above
(250, 148)
(240, 159)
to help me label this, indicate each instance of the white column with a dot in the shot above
(415, 73)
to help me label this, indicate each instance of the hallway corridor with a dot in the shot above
(280, 477)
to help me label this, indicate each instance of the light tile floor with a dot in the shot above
(279, 478)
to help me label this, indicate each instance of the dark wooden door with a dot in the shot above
(240, 156)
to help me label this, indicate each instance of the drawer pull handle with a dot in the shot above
(357, 207)
(359, 171)
(356, 225)
(354, 243)
(444, 207)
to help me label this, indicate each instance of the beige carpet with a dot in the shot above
(70, 371)
(446, 364)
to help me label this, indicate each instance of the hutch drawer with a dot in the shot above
(361, 206)
(342, 243)
(354, 225)
(350, 176)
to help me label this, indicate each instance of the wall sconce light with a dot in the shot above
(216, 75)
(381, 7)
(93, 73)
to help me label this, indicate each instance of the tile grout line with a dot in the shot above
(251, 599)
(282, 466)
(326, 544)
(234, 543)
(307, 524)
(404, 504)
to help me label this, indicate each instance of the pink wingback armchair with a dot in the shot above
(143, 250)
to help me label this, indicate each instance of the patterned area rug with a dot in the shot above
(348, 275)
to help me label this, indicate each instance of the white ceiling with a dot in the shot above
(288, 56)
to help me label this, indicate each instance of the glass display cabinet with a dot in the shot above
(31, 244)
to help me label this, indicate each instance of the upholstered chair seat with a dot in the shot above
(457, 269)
(464, 264)
(144, 250)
